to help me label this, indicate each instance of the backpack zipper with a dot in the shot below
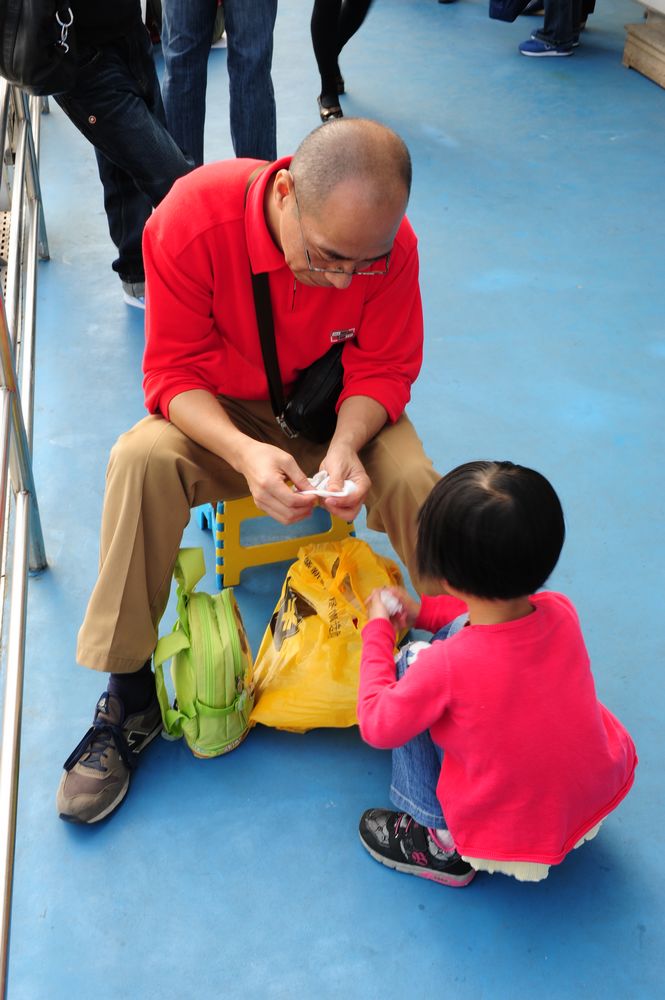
(206, 637)
(232, 625)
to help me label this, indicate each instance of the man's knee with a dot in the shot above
(149, 444)
(396, 459)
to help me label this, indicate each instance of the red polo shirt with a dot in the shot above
(201, 330)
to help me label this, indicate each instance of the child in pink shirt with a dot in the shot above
(532, 761)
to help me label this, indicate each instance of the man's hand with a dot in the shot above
(268, 471)
(358, 420)
(342, 463)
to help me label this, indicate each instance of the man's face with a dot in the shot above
(344, 235)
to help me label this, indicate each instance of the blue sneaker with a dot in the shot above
(537, 47)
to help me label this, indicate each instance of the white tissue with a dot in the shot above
(391, 603)
(319, 484)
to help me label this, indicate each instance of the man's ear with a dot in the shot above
(282, 187)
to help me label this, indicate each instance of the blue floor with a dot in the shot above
(538, 200)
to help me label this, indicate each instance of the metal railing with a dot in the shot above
(20, 528)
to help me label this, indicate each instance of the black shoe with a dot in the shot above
(328, 109)
(98, 771)
(396, 840)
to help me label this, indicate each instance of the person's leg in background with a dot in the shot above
(127, 211)
(249, 31)
(560, 32)
(116, 104)
(325, 18)
(351, 16)
(333, 23)
(561, 23)
(187, 27)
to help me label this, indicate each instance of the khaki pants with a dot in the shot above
(156, 474)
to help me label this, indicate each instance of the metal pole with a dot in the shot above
(33, 115)
(4, 113)
(15, 458)
(16, 228)
(37, 560)
(19, 451)
(11, 727)
(5, 424)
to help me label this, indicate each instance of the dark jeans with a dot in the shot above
(117, 105)
(561, 23)
(187, 27)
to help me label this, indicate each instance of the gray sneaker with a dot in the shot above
(133, 292)
(98, 771)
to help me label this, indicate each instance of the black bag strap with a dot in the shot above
(266, 326)
(263, 307)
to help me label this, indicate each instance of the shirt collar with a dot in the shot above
(264, 255)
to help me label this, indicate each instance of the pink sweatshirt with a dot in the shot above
(532, 760)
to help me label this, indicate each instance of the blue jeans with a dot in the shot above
(417, 765)
(187, 27)
(117, 105)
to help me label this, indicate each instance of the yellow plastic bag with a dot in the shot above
(306, 671)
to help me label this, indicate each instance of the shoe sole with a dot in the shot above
(68, 818)
(454, 881)
(132, 301)
(547, 55)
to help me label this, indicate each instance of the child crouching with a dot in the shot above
(532, 762)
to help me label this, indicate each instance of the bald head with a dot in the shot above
(351, 151)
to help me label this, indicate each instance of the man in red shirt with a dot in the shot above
(328, 227)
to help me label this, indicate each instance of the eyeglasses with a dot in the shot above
(378, 272)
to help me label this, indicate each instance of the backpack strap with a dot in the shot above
(189, 569)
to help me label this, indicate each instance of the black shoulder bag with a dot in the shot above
(310, 411)
(37, 50)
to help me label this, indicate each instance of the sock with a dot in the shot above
(442, 838)
(136, 690)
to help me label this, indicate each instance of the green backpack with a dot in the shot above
(211, 666)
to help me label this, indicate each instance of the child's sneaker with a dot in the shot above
(396, 840)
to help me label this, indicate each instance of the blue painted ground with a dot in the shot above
(538, 200)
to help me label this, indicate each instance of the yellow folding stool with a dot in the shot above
(232, 557)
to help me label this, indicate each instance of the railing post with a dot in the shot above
(17, 329)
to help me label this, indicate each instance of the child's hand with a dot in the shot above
(376, 607)
(395, 605)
